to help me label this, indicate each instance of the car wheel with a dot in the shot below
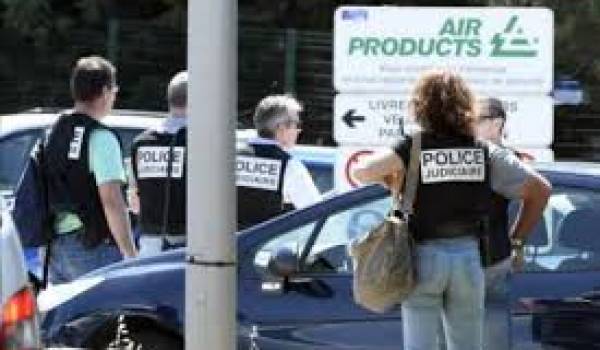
(134, 334)
(147, 340)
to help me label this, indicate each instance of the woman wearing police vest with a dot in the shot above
(457, 180)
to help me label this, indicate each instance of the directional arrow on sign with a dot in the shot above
(349, 118)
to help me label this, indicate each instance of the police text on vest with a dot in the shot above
(153, 162)
(260, 173)
(452, 164)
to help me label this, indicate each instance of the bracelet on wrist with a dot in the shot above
(516, 243)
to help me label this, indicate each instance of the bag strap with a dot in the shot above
(411, 177)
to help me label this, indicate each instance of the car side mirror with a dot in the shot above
(283, 263)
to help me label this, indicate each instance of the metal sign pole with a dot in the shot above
(210, 270)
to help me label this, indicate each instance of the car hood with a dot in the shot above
(176, 256)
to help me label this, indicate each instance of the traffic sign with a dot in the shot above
(370, 119)
(381, 120)
(497, 50)
(348, 158)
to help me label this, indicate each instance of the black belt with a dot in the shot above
(452, 230)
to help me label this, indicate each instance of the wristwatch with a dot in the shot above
(516, 243)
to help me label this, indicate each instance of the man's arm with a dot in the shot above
(116, 216)
(534, 194)
(386, 168)
(514, 179)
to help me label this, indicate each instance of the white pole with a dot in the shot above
(211, 208)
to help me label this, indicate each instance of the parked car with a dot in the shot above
(19, 319)
(311, 306)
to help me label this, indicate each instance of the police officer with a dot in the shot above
(85, 177)
(499, 248)
(159, 169)
(269, 180)
(457, 177)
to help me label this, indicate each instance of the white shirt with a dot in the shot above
(298, 186)
(171, 125)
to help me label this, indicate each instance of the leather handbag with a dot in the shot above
(383, 258)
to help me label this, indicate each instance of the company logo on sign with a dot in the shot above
(261, 173)
(457, 37)
(153, 162)
(454, 164)
(518, 46)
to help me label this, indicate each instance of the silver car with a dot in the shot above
(19, 328)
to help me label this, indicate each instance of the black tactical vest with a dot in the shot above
(162, 197)
(259, 173)
(71, 185)
(454, 195)
(499, 239)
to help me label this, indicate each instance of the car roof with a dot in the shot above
(36, 119)
(570, 167)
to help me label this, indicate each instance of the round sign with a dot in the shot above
(352, 161)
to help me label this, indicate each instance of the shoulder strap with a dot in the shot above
(412, 176)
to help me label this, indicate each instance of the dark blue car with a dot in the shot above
(310, 306)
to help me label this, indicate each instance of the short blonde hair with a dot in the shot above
(274, 110)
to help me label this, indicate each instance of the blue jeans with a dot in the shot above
(450, 283)
(497, 307)
(69, 259)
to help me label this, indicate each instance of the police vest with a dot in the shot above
(454, 195)
(259, 176)
(159, 164)
(71, 185)
(500, 247)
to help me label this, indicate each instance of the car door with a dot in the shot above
(562, 257)
(315, 309)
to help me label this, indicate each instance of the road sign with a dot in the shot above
(370, 119)
(380, 120)
(497, 50)
(347, 160)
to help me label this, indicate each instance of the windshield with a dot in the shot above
(14, 150)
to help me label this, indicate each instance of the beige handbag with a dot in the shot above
(383, 258)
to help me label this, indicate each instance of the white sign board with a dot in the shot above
(497, 50)
(380, 120)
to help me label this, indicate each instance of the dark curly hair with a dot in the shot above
(443, 104)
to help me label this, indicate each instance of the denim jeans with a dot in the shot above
(69, 259)
(450, 283)
(497, 334)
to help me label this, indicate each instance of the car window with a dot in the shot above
(322, 176)
(295, 240)
(567, 238)
(14, 151)
(330, 251)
